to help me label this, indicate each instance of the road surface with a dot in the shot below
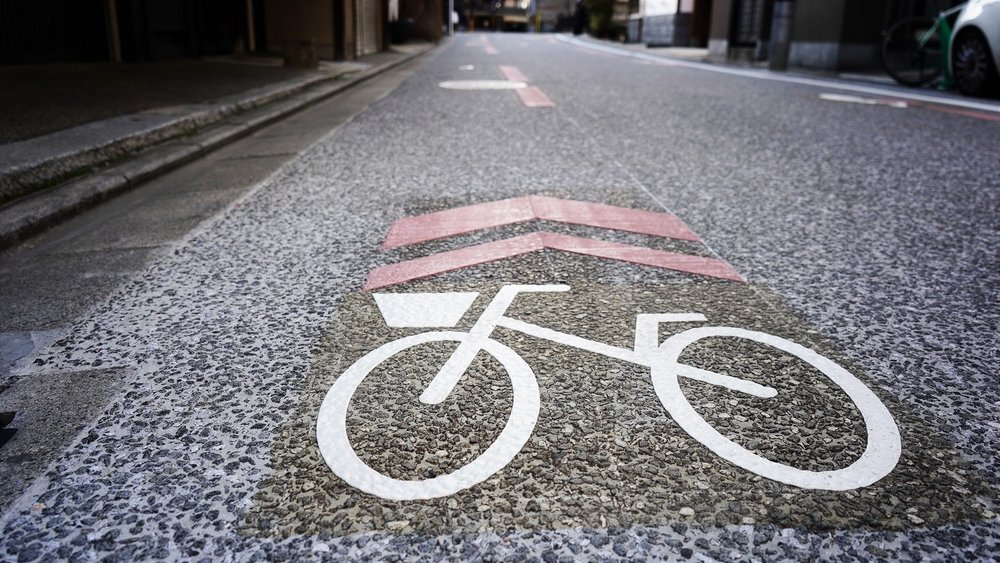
(228, 362)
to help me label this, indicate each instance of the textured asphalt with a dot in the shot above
(869, 233)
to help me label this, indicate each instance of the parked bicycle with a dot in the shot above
(915, 50)
(879, 457)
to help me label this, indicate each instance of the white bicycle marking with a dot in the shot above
(642, 357)
(423, 310)
(880, 457)
(448, 377)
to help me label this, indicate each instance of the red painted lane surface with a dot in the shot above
(491, 50)
(492, 251)
(532, 97)
(956, 111)
(512, 73)
(461, 220)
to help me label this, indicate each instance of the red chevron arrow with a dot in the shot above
(492, 251)
(461, 220)
(433, 226)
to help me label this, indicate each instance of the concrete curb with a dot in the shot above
(34, 163)
(36, 212)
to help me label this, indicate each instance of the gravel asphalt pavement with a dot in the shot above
(864, 224)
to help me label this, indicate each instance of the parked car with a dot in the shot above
(975, 48)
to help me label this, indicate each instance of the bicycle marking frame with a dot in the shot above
(645, 344)
(881, 454)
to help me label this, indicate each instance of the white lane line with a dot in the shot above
(764, 75)
(482, 85)
(864, 101)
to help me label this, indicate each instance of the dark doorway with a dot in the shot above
(168, 29)
(339, 47)
(701, 22)
(154, 30)
(260, 26)
(751, 22)
(46, 31)
(220, 25)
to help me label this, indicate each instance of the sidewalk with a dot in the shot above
(700, 55)
(77, 134)
(873, 84)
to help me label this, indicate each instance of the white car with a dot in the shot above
(975, 48)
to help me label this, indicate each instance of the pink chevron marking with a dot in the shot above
(512, 73)
(461, 220)
(532, 97)
(422, 228)
(452, 260)
(611, 217)
(711, 267)
(493, 251)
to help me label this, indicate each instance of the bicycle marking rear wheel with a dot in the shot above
(911, 51)
(334, 445)
(881, 452)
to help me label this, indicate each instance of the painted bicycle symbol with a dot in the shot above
(878, 459)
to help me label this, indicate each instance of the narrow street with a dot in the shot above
(670, 311)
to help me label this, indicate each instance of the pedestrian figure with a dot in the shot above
(579, 18)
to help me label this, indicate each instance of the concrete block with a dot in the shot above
(301, 54)
(30, 215)
(158, 160)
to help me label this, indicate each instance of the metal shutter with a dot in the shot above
(366, 19)
(749, 21)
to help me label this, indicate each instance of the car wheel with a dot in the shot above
(972, 64)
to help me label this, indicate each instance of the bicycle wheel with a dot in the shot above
(331, 425)
(911, 51)
(881, 452)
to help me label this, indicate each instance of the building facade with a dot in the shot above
(669, 23)
(46, 31)
(496, 15)
(554, 15)
(832, 35)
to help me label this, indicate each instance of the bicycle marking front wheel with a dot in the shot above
(881, 452)
(331, 425)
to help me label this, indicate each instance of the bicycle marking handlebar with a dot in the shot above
(452, 371)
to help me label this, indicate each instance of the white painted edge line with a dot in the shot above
(767, 75)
